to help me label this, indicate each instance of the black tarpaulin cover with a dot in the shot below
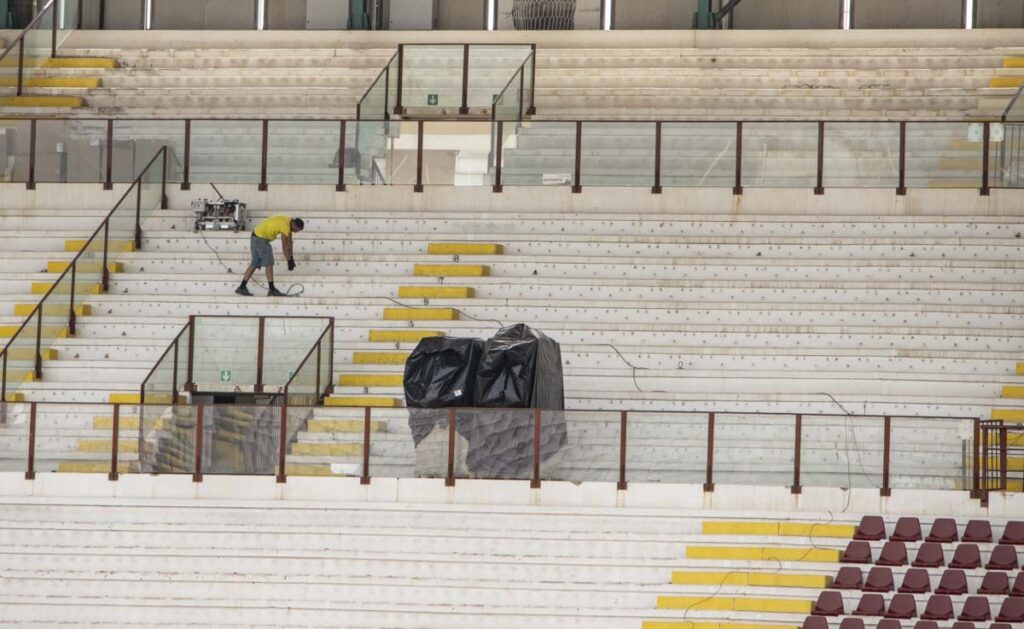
(439, 373)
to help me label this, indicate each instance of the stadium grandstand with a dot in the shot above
(601, 314)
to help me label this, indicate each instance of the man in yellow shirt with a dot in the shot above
(263, 253)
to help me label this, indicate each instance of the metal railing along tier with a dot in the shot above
(88, 273)
(43, 36)
(1001, 444)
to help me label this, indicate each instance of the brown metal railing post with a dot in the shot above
(738, 185)
(901, 189)
(985, 461)
(985, 147)
(533, 79)
(138, 213)
(174, 376)
(31, 183)
(976, 464)
(263, 157)
(78, 21)
(30, 471)
(886, 490)
(105, 272)
(283, 445)
(464, 108)
(197, 476)
(577, 186)
(419, 157)
(798, 427)
(330, 361)
(191, 350)
(498, 150)
(535, 478)
(163, 178)
(522, 84)
(259, 355)
(709, 480)
(387, 94)
(819, 189)
(449, 480)
(187, 158)
(399, 110)
(365, 478)
(1003, 457)
(341, 158)
(318, 392)
(115, 433)
(657, 157)
(39, 343)
(3, 386)
(53, 29)
(72, 322)
(21, 65)
(623, 417)
(108, 182)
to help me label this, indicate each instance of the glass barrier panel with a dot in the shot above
(226, 151)
(529, 83)
(944, 154)
(136, 141)
(391, 78)
(432, 78)
(321, 446)
(841, 451)
(14, 430)
(401, 154)
(490, 68)
(121, 230)
(286, 343)
(540, 154)
(183, 342)
(579, 446)
(167, 436)
(861, 155)
(67, 19)
(225, 353)
(152, 189)
(618, 154)
(38, 41)
(529, 15)
(496, 443)
(303, 152)
(698, 154)
(780, 154)
(508, 104)
(372, 161)
(15, 142)
(456, 153)
(71, 151)
(666, 447)
(239, 439)
(21, 353)
(1004, 159)
(303, 388)
(931, 453)
(159, 385)
(404, 442)
(326, 376)
(67, 440)
(373, 102)
(89, 273)
(754, 449)
(55, 319)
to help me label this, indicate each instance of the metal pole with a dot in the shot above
(522, 80)
(138, 213)
(365, 478)
(886, 490)
(535, 479)
(577, 186)
(116, 431)
(976, 467)
(901, 189)
(53, 29)
(31, 183)
(399, 110)
(341, 159)
(498, 150)
(21, 66)
(259, 355)
(105, 272)
(657, 159)
(819, 189)
(984, 160)
(533, 80)
(330, 361)
(738, 185)
(197, 477)
(191, 350)
(709, 481)
(1003, 458)
(449, 480)
(797, 442)
(419, 157)
(263, 158)
(623, 417)
(39, 342)
(185, 183)
(174, 376)
(163, 178)
(30, 472)
(71, 304)
(464, 109)
(282, 445)
(108, 183)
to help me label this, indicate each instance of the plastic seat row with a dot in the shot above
(943, 531)
(931, 555)
(904, 606)
(819, 622)
(918, 581)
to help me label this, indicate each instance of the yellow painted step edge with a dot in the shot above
(420, 314)
(326, 449)
(29, 353)
(80, 62)
(74, 245)
(451, 270)
(371, 380)
(379, 358)
(1013, 62)
(344, 425)
(730, 603)
(59, 266)
(1005, 81)
(1014, 391)
(41, 288)
(761, 553)
(436, 292)
(42, 101)
(789, 529)
(91, 467)
(756, 579)
(401, 336)
(686, 624)
(15, 398)
(24, 310)
(1009, 414)
(125, 398)
(55, 82)
(49, 331)
(1020, 369)
(362, 401)
(464, 248)
(104, 445)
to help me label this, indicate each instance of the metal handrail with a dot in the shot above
(521, 73)
(1013, 101)
(318, 346)
(385, 72)
(103, 227)
(19, 41)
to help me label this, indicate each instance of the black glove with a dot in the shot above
(291, 264)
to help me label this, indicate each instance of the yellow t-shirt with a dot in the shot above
(273, 227)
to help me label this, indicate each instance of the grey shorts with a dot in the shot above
(262, 252)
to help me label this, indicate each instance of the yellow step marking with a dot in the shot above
(451, 270)
(130, 446)
(963, 163)
(41, 288)
(49, 331)
(464, 249)
(686, 624)
(80, 62)
(1020, 369)
(401, 336)
(420, 314)
(24, 310)
(761, 553)
(1005, 81)
(56, 266)
(124, 422)
(327, 449)
(15, 398)
(804, 529)
(91, 467)
(344, 425)
(1013, 62)
(379, 358)
(1013, 464)
(758, 579)
(729, 603)
(29, 353)
(74, 246)
(42, 101)
(57, 82)
(362, 401)
(126, 398)
(371, 380)
(21, 375)
(435, 292)
(305, 469)
(1005, 414)
(794, 529)
(1015, 440)
(1014, 391)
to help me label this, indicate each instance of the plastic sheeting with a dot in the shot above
(520, 368)
(439, 373)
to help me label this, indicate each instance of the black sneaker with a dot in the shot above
(243, 291)
(273, 292)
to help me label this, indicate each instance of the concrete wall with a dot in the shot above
(779, 14)
(462, 15)
(122, 14)
(907, 13)
(204, 14)
(288, 14)
(654, 14)
(1000, 14)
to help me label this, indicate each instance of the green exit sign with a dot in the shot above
(431, 99)
(225, 375)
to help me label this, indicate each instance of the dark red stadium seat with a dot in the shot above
(978, 531)
(815, 622)
(907, 530)
(828, 604)
(1003, 557)
(1013, 533)
(870, 605)
(953, 582)
(967, 557)
(871, 528)
(939, 607)
(848, 578)
(857, 552)
(893, 554)
(926, 624)
(930, 555)
(902, 606)
(888, 623)
(963, 625)
(851, 623)
(916, 581)
(1012, 610)
(1018, 585)
(1000, 625)
(879, 580)
(943, 531)
(976, 609)
(995, 582)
